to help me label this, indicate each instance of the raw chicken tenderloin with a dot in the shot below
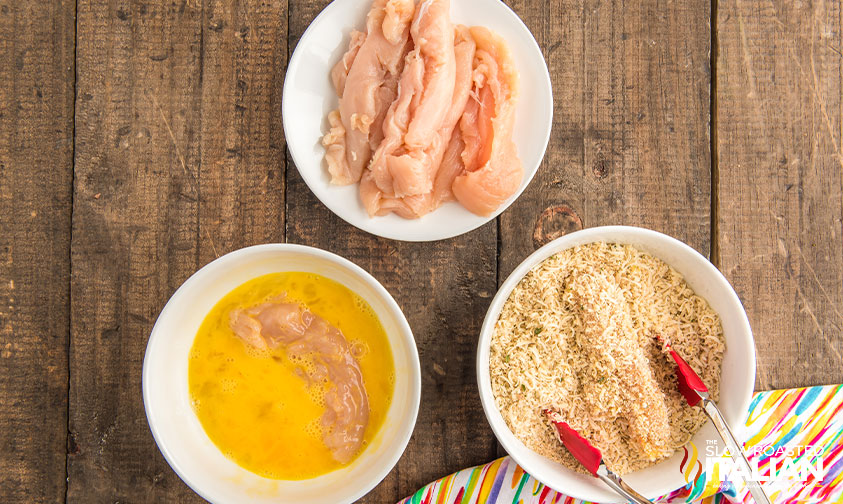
(450, 167)
(414, 206)
(394, 23)
(397, 120)
(493, 171)
(433, 36)
(376, 203)
(398, 15)
(401, 165)
(334, 140)
(340, 71)
(279, 322)
(377, 61)
(449, 134)
(412, 171)
(464, 49)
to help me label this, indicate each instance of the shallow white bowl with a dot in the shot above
(737, 378)
(309, 95)
(176, 428)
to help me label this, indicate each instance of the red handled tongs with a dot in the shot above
(591, 458)
(696, 393)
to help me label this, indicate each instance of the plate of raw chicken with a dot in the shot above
(417, 120)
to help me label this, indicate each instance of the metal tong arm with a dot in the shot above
(734, 447)
(616, 483)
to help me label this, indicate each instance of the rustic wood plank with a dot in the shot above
(36, 170)
(779, 128)
(630, 127)
(179, 159)
(135, 234)
(242, 156)
(444, 289)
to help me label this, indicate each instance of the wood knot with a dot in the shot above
(554, 222)
(72, 446)
(600, 168)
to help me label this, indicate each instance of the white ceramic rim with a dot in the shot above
(371, 226)
(589, 235)
(231, 258)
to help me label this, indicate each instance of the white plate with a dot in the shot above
(737, 379)
(309, 96)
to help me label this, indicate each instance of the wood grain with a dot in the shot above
(36, 155)
(178, 160)
(630, 126)
(242, 151)
(780, 170)
(135, 235)
(444, 289)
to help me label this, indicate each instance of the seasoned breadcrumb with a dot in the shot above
(577, 335)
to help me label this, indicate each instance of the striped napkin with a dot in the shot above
(798, 431)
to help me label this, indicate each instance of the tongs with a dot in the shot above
(591, 458)
(696, 393)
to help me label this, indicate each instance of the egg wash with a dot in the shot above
(263, 406)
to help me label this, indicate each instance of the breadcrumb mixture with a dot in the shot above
(578, 335)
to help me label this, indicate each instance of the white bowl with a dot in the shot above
(737, 378)
(309, 95)
(176, 427)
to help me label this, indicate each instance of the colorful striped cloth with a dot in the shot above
(780, 424)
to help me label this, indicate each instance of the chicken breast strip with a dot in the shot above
(493, 171)
(402, 165)
(281, 323)
(383, 200)
(368, 88)
(610, 339)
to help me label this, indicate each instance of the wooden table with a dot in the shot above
(141, 139)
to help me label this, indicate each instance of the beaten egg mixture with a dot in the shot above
(255, 404)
